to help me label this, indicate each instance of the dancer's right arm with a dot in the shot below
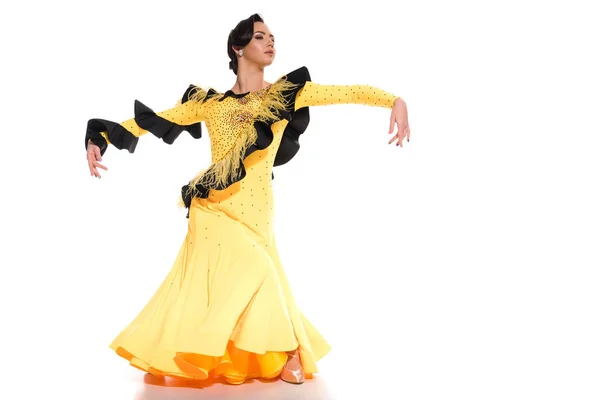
(166, 125)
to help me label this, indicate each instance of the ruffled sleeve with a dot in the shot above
(306, 93)
(167, 125)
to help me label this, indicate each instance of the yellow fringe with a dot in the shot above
(197, 94)
(221, 170)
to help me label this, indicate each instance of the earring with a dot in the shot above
(241, 52)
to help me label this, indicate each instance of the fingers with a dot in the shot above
(93, 156)
(98, 165)
(93, 171)
(403, 132)
(403, 129)
(398, 137)
(97, 153)
(393, 138)
(94, 165)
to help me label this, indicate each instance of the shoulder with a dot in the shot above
(298, 76)
(197, 93)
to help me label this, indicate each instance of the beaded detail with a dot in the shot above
(263, 92)
(229, 146)
(243, 117)
(260, 94)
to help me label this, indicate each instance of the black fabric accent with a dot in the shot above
(164, 129)
(120, 137)
(202, 190)
(297, 123)
(146, 119)
(160, 127)
(98, 140)
(264, 137)
(186, 96)
(298, 120)
(187, 93)
(186, 196)
(231, 93)
(195, 130)
(290, 144)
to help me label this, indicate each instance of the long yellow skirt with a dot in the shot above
(224, 309)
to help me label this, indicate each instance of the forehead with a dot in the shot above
(261, 26)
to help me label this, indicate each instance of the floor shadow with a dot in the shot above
(154, 388)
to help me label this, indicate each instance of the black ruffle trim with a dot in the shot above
(298, 122)
(163, 129)
(146, 119)
(120, 137)
(298, 119)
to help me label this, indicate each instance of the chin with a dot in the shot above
(269, 60)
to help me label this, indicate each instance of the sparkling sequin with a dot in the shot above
(243, 117)
(263, 92)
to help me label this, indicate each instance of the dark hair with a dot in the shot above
(239, 37)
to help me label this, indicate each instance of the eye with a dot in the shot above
(258, 37)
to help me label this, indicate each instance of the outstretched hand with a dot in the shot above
(400, 118)
(93, 157)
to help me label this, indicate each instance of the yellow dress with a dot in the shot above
(226, 308)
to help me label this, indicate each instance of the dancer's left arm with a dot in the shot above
(313, 94)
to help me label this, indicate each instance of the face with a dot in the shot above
(261, 49)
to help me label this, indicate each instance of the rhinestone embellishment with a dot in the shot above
(243, 117)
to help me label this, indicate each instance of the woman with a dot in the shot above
(226, 308)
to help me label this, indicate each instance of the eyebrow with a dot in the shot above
(263, 33)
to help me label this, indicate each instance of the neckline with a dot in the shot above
(236, 95)
(240, 95)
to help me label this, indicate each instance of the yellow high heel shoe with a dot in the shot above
(292, 371)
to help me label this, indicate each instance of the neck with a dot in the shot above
(249, 79)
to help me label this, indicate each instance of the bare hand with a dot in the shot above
(400, 118)
(93, 156)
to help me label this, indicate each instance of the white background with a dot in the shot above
(462, 266)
